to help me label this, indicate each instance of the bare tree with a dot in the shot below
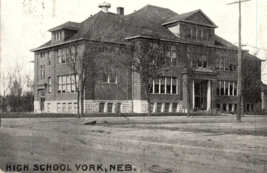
(17, 81)
(148, 62)
(88, 58)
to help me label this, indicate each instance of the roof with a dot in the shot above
(67, 25)
(110, 27)
(146, 21)
(224, 42)
(185, 17)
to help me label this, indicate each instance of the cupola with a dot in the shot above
(104, 6)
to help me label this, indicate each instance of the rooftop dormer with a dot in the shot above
(194, 26)
(63, 32)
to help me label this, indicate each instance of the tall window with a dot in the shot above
(68, 88)
(59, 56)
(42, 71)
(63, 55)
(63, 84)
(165, 85)
(72, 79)
(49, 85)
(171, 58)
(73, 51)
(193, 32)
(222, 54)
(227, 88)
(199, 33)
(67, 55)
(59, 84)
(49, 58)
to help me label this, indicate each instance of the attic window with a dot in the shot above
(58, 36)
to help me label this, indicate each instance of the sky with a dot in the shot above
(25, 23)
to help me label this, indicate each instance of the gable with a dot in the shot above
(199, 18)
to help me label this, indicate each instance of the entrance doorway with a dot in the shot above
(201, 94)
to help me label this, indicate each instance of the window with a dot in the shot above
(49, 85)
(64, 108)
(187, 31)
(227, 88)
(59, 84)
(226, 62)
(110, 107)
(217, 63)
(168, 85)
(171, 58)
(101, 107)
(69, 107)
(118, 107)
(42, 55)
(73, 51)
(49, 58)
(162, 85)
(63, 84)
(165, 85)
(109, 78)
(72, 80)
(42, 72)
(193, 32)
(222, 88)
(48, 107)
(105, 77)
(113, 78)
(199, 33)
(174, 107)
(167, 107)
(75, 107)
(58, 36)
(235, 88)
(159, 106)
(156, 86)
(59, 57)
(231, 89)
(63, 55)
(174, 85)
(67, 55)
(205, 34)
(68, 87)
(58, 107)
(222, 60)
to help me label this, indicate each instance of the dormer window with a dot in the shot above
(58, 36)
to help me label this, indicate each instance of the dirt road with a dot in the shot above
(179, 144)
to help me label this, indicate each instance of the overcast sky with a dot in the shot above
(25, 23)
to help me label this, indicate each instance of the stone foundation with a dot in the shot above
(109, 106)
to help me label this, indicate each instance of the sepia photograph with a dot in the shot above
(144, 86)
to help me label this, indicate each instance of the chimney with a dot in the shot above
(120, 10)
(104, 6)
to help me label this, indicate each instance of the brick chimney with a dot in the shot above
(120, 10)
(104, 6)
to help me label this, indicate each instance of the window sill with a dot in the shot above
(164, 94)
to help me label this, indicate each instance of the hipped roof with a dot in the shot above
(111, 27)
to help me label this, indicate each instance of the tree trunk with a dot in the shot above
(78, 104)
(82, 101)
(188, 103)
(188, 98)
(148, 102)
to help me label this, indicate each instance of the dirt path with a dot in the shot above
(180, 144)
